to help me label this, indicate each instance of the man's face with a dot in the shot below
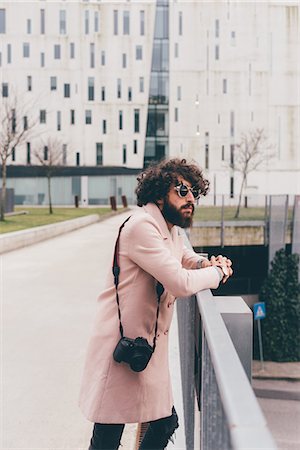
(179, 210)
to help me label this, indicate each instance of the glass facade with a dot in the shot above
(157, 134)
(34, 190)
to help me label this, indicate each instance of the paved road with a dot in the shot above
(283, 418)
(48, 298)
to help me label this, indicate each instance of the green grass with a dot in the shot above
(40, 216)
(207, 213)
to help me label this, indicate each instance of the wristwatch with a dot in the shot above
(224, 270)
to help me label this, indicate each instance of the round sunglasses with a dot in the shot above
(183, 190)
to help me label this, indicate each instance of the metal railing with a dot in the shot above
(215, 356)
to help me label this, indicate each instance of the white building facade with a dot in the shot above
(124, 83)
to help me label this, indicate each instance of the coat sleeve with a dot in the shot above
(147, 249)
(190, 258)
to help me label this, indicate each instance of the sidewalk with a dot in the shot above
(276, 380)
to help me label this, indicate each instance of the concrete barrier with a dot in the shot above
(18, 239)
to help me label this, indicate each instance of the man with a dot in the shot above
(149, 253)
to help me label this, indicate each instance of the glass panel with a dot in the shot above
(161, 23)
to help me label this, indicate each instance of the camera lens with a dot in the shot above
(139, 362)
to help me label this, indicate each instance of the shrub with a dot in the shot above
(281, 327)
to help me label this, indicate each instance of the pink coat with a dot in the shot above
(111, 392)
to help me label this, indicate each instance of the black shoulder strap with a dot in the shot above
(116, 272)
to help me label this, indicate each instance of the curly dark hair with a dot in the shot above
(154, 182)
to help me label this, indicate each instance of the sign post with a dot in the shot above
(259, 310)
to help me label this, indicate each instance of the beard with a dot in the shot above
(176, 216)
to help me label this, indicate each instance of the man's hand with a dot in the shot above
(222, 261)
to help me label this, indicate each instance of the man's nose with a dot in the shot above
(190, 197)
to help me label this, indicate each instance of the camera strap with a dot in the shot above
(116, 272)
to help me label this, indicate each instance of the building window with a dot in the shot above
(42, 21)
(124, 60)
(77, 159)
(8, 53)
(206, 150)
(179, 93)
(224, 86)
(96, 21)
(124, 154)
(103, 93)
(116, 22)
(58, 120)
(42, 59)
(119, 88)
(180, 23)
(26, 50)
(103, 58)
(2, 21)
(28, 152)
(92, 55)
(136, 120)
(231, 187)
(53, 83)
(29, 83)
(231, 123)
(126, 22)
(14, 121)
(42, 116)
(25, 123)
(142, 23)
(4, 89)
(217, 28)
(72, 114)
(64, 149)
(62, 21)
(129, 94)
(45, 153)
(86, 22)
(72, 50)
(13, 154)
(176, 114)
(0, 59)
(103, 126)
(217, 52)
(67, 90)
(57, 51)
(120, 120)
(232, 35)
(91, 88)
(223, 153)
(88, 116)
(176, 50)
(99, 153)
(28, 26)
(232, 156)
(138, 52)
(141, 84)
(135, 146)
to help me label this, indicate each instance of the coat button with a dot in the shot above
(166, 332)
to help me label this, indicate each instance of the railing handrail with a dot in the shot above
(247, 425)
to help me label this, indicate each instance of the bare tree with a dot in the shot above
(250, 153)
(17, 127)
(50, 155)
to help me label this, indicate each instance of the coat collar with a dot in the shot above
(154, 211)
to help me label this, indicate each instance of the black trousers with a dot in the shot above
(108, 436)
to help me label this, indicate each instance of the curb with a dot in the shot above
(277, 394)
(23, 238)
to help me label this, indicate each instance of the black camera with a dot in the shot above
(135, 352)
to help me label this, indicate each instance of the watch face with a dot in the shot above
(225, 270)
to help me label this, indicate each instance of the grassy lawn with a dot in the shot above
(207, 213)
(40, 216)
